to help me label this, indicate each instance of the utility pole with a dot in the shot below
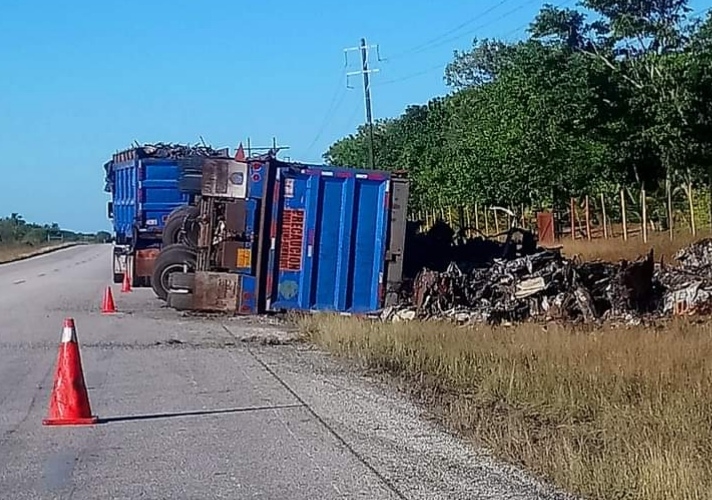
(365, 71)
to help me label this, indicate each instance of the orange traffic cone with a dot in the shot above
(126, 286)
(69, 402)
(107, 304)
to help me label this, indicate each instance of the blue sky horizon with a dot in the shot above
(82, 80)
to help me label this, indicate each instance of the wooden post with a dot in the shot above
(671, 214)
(623, 216)
(496, 222)
(477, 218)
(484, 212)
(573, 218)
(605, 219)
(588, 219)
(644, 222)
(693, 226)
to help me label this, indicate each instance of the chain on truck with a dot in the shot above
(268, 235)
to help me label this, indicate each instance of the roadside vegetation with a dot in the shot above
(617, 411)
(604, 107)
(603, 102)
(19, 237)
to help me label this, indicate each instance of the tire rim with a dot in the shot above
(173, 268)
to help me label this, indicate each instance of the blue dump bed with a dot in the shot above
(144, 191)
(329, 237)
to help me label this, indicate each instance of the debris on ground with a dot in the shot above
(688, 286)
(495, 284)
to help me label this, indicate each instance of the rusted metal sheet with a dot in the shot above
(545, 227)
(224, 178)
(396, 246)
(236, 217)
(143, 262)
(228, 252)
(216, 291)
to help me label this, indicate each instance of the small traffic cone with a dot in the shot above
(69, 402)
(126, 286)
(107, 304)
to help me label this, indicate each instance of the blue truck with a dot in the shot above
(271, 235)
(153, 191)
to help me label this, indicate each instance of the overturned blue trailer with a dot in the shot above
(274, 236)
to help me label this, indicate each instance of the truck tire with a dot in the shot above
(118, 278)
(180, 301)
(173, 258)
(174, 224)
(182, 281)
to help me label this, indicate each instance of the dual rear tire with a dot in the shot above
(181, 227)
(176, 259)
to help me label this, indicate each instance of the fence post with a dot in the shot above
(623, 216)
(588, 219)
(644, 222)
(670, 213)
(477, 218)
(605, 218)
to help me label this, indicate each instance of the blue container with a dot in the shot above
(144, 192)
(328, 239)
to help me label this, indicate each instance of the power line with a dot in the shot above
(337, 98)
(449, 32)
(413, 75)
(426, 47)
(444, 65)
(515, 30)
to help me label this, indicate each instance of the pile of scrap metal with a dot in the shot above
(542, 284)
(688, 286)
(170, 150)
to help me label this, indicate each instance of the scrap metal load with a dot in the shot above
(543, 284)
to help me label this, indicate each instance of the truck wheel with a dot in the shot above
(177, 210)
(182, 281)
(180, 301)
(191, 229)
(118, 278)
(176, 258)
(174, 224)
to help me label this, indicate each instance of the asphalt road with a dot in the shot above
(206, 407)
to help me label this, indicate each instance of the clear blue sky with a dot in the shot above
(81, 79)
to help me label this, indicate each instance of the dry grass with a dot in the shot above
(614, 249)
(608, 413)
(12, 252)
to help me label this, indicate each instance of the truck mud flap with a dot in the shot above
(120, 264)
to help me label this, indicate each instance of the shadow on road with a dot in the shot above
(196, 413)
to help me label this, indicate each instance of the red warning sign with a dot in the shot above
(290, 252)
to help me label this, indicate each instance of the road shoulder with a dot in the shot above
(389, 433)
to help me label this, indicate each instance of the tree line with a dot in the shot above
(607, 96)
(15, 230)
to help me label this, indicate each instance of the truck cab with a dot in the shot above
(147, 185)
